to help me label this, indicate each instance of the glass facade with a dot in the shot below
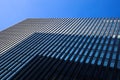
(62, 49)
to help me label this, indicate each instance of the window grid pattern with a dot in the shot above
(91, 41)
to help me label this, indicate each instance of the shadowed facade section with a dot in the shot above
(44, 68)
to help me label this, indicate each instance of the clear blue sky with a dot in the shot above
(13, 11)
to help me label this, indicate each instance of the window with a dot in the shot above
(102, 54)
(115, 48)
(105, 47)
(108, 55)
(67, 50)
(82, 59)
(96, 54)
(108, 37)
(93, 60)
(79, 45)
(110, 48)
(84, 39)
(99, 61)
(117, 42)
(71, 51)
(88, 40)
(63, 49)
(76, 39)
(105, 62)
(88, 59)
(86, 52)
(112, 63)
(72, 44)
(69, 54)
(90, 45)
(99, 47)
(76, 51)
(97, 40)
(113, 36)
(93, 40)
(114, 56)
(112, 41)
(107, 40)
(81, 51)
(76, 44)
(94, 46)
(91, 53)
(85, 45)
(102, 41)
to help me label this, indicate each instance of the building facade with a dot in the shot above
(61, 49)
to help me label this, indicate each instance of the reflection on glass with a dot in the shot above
(88, 59)
(115, 48)
(114, 56)
(93, 60)
(110, 48)
(95, 45)
(105, 62)
(99, 47)
(82, 59)
(102, 41)
(91, 53)
(96, 54)
(102, 54)
(108, 55)
(112, 41)
(99, 61)
(107, 40)
(105, 47)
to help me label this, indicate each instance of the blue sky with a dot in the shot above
(14, 11)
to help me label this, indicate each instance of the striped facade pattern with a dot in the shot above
(61, 49)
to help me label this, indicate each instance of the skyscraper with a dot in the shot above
(61, 49)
